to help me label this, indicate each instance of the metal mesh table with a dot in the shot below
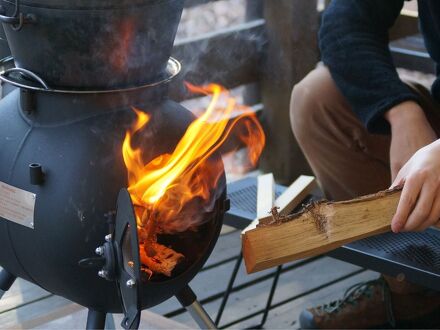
(416, 256)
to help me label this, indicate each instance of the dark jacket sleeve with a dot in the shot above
(354, 45)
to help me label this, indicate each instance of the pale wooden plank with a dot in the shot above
(295, 194)
(78, 319)
(37, 313)
(265, 195)
(58, 313)
(292, 196)
(265, 199)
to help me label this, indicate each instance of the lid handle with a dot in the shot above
(28, 74)
(17, 20)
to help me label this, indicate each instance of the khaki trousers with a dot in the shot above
(347, 160)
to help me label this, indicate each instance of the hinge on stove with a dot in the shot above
(106, 260)
(118, 259)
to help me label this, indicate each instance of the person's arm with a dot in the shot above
(410, 131)
(354, 46)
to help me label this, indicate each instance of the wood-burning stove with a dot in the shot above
(62, 174)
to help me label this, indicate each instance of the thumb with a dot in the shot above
(399, 180)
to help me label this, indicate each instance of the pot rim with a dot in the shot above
(87, 4)
(173, 69)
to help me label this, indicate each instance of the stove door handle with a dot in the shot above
(27, 74)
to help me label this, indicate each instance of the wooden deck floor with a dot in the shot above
(29, 307)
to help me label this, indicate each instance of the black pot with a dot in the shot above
(92, 44)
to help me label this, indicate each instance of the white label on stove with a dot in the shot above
(17, 205)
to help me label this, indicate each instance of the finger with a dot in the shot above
(434, 215)
(420, 214)
(400, 178)
(395, 169)
(408, 199)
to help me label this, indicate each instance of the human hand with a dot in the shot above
(412, 138)
(419, 204)
(410, 131)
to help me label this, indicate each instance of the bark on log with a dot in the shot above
(321, 227)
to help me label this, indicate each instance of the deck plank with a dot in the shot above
(291, 283)
(228, 245)
(77, 320)
(21, 292)
(286, 316)
(37, 313)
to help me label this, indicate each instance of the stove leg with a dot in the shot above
(6, 281)
(188, 300)
(95, 320)
(110, 322)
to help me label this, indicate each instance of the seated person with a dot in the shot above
(361, 129)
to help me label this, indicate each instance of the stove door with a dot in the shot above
(128, 260)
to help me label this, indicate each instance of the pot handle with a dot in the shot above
(28, 74)
(17, 19)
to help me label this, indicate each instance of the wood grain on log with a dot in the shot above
(321, 227)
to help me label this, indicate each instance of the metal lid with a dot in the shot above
(87, 4)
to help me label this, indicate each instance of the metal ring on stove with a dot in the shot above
(28, 74)
(173, 69)
(17, 19)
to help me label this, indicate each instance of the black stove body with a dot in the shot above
(60, 152)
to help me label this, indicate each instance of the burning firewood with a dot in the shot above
(319, 228)
(157, 258)
(163, 261)
(167, 187)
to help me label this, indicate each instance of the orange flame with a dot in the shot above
(169, 190)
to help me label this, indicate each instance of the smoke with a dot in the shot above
(213, 45)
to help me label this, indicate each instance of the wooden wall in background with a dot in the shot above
(292, 52)
(270, 53)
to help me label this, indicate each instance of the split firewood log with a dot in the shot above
(319, 228)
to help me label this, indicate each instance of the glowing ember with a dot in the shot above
(173, 191)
